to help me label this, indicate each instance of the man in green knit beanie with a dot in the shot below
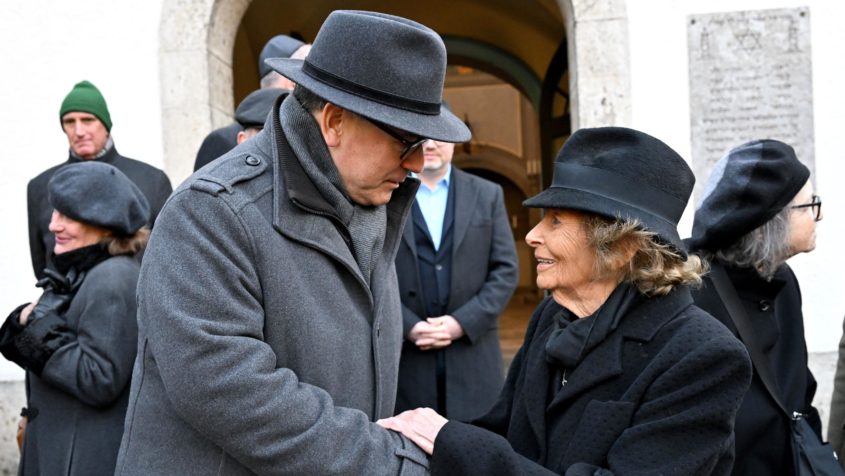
(85, 120)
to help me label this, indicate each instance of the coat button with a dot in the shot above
(253, 161)
(765, 305)
(438, 267)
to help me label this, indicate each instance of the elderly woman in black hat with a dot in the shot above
(758, 210)
(619, 373)
(77, 343)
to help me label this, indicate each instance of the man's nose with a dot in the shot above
(414, 161)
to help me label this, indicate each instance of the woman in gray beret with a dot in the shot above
(758, 210)
(77, 342)
(619, 372)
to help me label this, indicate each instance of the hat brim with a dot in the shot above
(445, 127)
(567, 198)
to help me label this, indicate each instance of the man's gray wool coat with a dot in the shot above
(261, 348)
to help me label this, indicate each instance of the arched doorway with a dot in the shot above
(204, 42)
(209, 51)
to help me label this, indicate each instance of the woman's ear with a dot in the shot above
(624, 250)
(331, 121)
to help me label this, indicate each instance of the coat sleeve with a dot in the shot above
(201, 314)
(160, 192)
(96, 366)
(685, 422)
(835, 430)
(37, 252)
(479, 314)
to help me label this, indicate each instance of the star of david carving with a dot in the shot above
(748, 40)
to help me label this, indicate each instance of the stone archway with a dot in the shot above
(196, 50)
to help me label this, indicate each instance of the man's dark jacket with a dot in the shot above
(153, 183)
(216, 143)
(763, 435)
(483, 268)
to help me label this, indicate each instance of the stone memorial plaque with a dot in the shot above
(750, 78)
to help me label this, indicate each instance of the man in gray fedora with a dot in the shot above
(268, 312)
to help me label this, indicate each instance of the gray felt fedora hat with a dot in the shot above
(383, 67)
(621, 173)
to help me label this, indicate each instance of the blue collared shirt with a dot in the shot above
(433, 205)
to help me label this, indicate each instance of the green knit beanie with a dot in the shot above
(85, 97)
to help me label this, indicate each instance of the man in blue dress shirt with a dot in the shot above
(457, 271)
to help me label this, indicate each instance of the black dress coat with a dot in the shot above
(763, 435)
(216, 143)
(153, 183)
(484, 276)
(657, 396)
(77, 402)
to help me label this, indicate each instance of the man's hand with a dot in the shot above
(436, 332)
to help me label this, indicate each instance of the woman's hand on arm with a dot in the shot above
(420, 426)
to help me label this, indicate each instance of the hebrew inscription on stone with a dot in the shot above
(750, 78)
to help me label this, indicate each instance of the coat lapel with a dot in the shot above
(465, 198)
(538, 374)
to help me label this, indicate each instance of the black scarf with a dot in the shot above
(80, 259)
(574, 338)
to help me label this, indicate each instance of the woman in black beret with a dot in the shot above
(758, 210)
(619, 372)
(77, 343)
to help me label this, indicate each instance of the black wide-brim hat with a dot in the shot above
(383, 67)
(96, 193)
(622, 174)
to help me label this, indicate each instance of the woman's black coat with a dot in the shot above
(763, 434)
(657, 396)
(78, 402)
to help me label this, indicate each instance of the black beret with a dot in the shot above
(253, 110)
(280, 46)
(98, 194)
(746, 189)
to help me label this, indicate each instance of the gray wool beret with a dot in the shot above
(746, 189)
(98, 194)
(253, 110)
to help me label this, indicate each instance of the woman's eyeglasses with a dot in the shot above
(816, 204)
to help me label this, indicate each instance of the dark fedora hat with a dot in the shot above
(280, 46)
(385, 68)
(253, 110)
(624, 174)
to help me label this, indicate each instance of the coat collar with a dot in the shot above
(301, 213)
(642, 323)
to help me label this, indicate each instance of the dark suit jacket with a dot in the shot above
(216, 143)
(484, 276)
(657, 396)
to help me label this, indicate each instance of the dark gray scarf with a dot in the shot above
(366, 225)
(574, 338)
(106, 148)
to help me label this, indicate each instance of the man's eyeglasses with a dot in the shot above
(816, 203)
(410, 145)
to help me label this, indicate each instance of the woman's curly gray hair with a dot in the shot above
(655, 268)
